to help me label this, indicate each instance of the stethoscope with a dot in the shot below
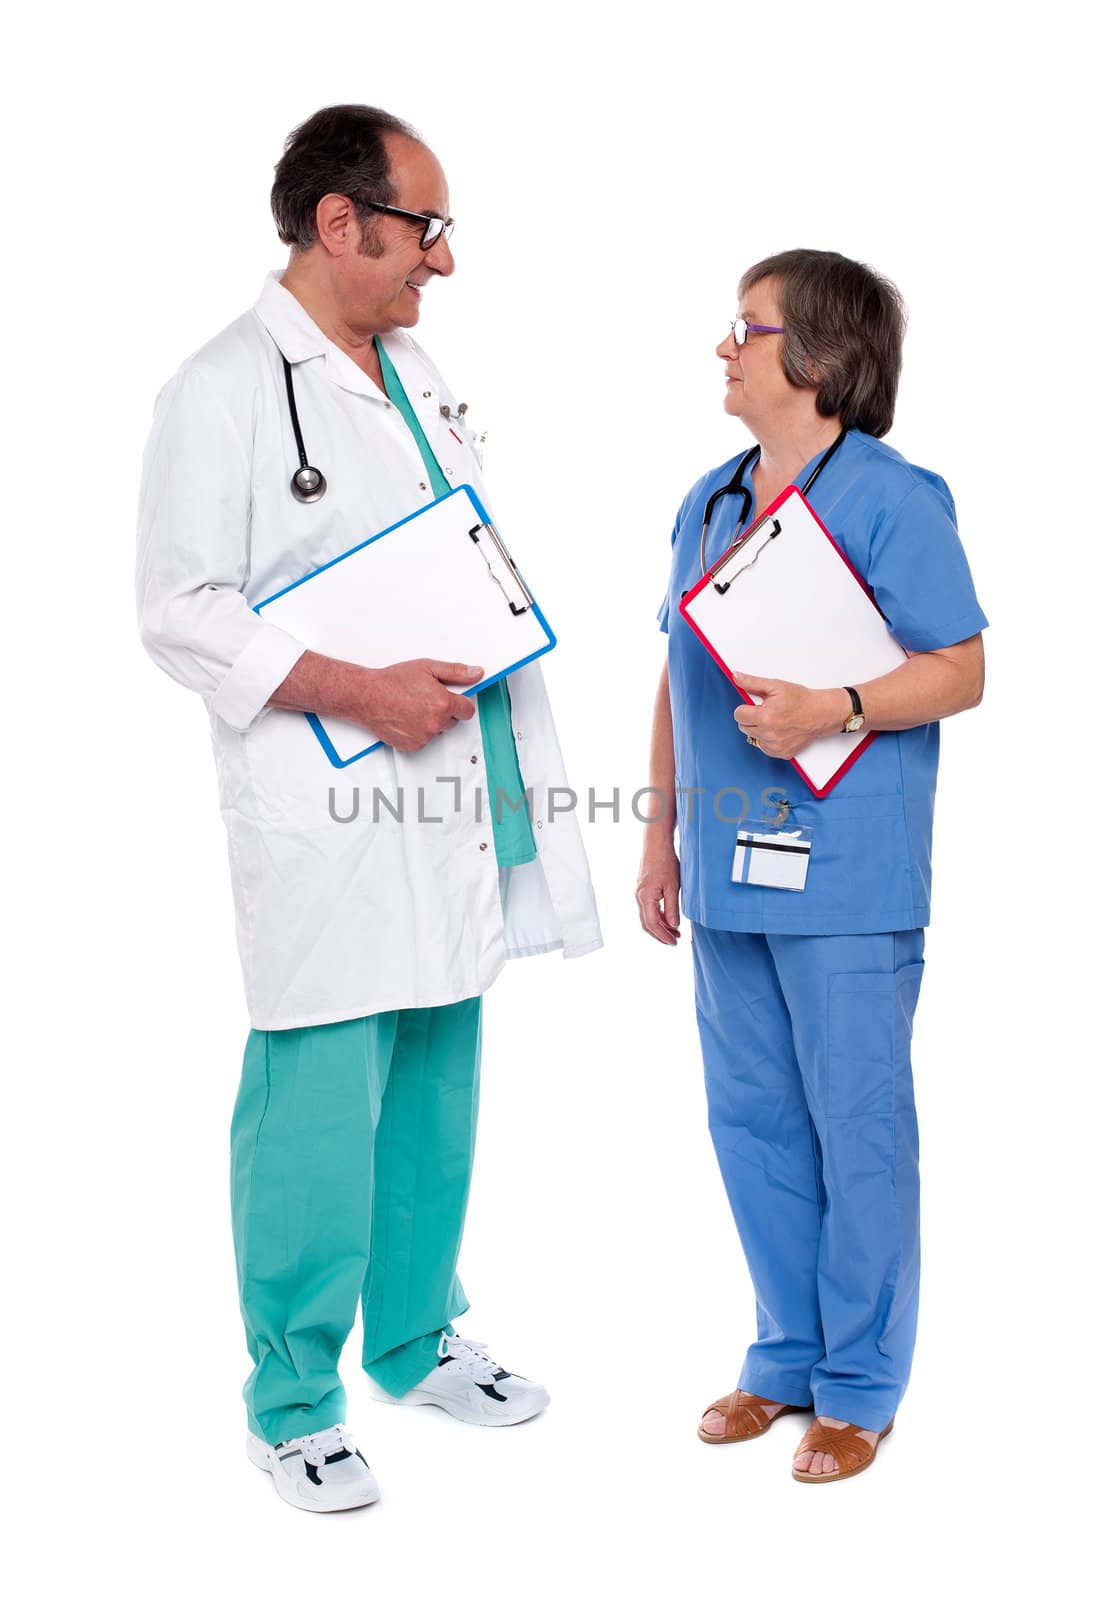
(308, 483)
(736, 485)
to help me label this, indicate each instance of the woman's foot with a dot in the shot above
(819, 1460)
(714, 1421)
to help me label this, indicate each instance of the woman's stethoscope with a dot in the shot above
(736, 485)
(308, 483)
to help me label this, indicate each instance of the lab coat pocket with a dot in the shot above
(474, 443)
(870, 1028)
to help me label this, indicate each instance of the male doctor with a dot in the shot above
(368, 929)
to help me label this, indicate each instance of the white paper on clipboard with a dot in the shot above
(786, 604)
(440, 583)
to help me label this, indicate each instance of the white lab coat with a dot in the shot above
(334, 919)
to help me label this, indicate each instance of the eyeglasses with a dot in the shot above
(741, 329)
(435, 228)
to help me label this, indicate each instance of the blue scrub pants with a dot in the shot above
(806, 1046)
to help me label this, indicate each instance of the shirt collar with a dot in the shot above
(286, 320)
(299, 338)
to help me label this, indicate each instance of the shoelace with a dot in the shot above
(468, 1354)
(315, 1447)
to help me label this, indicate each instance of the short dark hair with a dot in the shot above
(339, 150)
(843, 330)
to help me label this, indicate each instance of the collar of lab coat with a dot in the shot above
(299, 338)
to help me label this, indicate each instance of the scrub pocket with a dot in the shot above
(860, 861)
(870, 1029)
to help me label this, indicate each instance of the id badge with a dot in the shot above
(772, 858)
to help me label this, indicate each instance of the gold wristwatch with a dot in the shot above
(853, 723)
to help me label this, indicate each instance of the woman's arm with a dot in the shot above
(929, 685)
(657, 885)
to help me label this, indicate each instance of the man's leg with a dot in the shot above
(423, 1155)
(301, 1173)
(766, 1151)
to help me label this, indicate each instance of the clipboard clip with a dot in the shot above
(734, 550)
(513, 576)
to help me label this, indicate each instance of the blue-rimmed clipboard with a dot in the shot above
(439, 583)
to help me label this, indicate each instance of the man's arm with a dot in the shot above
(405, 705)
(194, 515)
(194, 620)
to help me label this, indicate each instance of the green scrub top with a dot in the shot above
(513, 840)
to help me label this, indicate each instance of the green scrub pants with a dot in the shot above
(351, 1151)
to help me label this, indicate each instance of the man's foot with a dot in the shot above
(318, 1472)
(473, 1387)
(714, 1421)
(819, 1460)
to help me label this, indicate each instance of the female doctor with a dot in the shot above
(805, 1000)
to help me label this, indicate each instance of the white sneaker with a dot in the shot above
(319, 1472)
(472, 1387)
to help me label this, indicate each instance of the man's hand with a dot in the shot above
(407, 705)
(657, 892)
(791, 716)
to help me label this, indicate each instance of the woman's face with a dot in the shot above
(756, 388)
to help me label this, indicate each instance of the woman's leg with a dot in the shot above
(852, 1001)
(766, 1150)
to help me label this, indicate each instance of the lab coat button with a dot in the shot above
(424, 486)
(474, 761)
(427, 394)
(483, 846)
(449, 472)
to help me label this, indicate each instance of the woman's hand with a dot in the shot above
(791, 716)
(657, 890)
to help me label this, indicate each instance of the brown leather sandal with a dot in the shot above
(852, 1452)
(744, 1418)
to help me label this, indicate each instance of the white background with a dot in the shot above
(613, 169)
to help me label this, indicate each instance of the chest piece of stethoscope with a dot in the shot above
(308, 484)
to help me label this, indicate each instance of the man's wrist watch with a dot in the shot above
(854, 722)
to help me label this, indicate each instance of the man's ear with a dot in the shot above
(335, 222)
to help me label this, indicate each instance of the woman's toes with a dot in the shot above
(802, 1462)
(713, 1422)
(828, 1463)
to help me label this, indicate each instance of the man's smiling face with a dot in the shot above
(382, 290)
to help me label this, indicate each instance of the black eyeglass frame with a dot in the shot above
(435, 228)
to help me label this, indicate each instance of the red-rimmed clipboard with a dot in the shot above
(785, 602)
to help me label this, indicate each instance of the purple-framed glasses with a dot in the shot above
(741, 329)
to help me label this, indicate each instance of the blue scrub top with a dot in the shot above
(870, 868)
